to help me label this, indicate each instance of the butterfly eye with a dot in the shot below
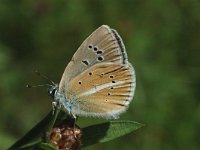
(113, 81)
(111, 88)
(90, 73)
(108, 94)
(52, 91)
(79, 82)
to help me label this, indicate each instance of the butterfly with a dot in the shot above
(98, 81)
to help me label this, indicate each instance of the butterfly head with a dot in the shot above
(52, 90)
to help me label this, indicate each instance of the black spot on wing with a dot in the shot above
(85, 62)
(100, 58)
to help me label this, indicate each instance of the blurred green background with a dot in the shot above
(162, 38)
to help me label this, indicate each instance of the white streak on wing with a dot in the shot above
(100, 87)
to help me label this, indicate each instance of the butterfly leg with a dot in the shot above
(56, 105)
(74, 123)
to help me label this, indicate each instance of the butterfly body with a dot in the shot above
(98, 81)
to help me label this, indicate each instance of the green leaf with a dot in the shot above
(37, 132)
(108, 131)
(30, 146)
(46, 146)
(38, 146)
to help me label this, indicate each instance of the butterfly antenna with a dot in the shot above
(33, 86)
(45, 77)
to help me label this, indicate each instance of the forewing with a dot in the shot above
(104, 90)
(103, 45)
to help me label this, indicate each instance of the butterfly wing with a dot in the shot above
(98, 81)
(103, 90)
(103, 45)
